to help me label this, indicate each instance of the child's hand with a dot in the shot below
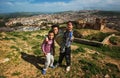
(72, 39)
(45, 53)
(46, 39)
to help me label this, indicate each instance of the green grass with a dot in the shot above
(113, 67)
(3, 77)
(14, 47)
(36, 46)
(97, 56)
(89, 67)
(24, 38)
(15, 34)
(113, 52)
(97, 37)
(16, 73)
(27, 33)
(80, 49)
(39, 36)
(37, 51)
(81, 67)
(114, 40)
(8, 38)
(9, 55)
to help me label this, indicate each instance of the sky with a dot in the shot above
(8, 6)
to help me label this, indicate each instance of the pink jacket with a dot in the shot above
(47, 46)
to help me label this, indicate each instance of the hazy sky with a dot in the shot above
(57, 5)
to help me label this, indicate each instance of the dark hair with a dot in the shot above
(69, 22)
(51, 31)
(56, 25)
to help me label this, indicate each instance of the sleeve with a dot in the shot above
(43, 45)
(53, 46)
(71, 36)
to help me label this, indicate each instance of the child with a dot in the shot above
(65, 50)
(48, 50)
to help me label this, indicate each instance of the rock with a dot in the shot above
(107, 76)
(4, 60)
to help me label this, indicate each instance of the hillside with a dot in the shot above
(21, 57)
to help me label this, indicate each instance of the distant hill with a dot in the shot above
(19, 14)
(107, 13)
(27, 14)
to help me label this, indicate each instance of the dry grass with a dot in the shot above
(27, 60)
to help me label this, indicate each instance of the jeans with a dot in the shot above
(67, 55)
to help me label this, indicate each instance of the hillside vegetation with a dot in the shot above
(21, 57)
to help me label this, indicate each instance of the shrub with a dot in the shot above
(114, 40)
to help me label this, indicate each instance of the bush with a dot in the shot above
(114, 40)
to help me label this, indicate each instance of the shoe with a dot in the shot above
(68, 69)
(43, 72)
(52, 67)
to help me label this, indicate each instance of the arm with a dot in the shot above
(53, 46)
(43, 45)
(71, 36)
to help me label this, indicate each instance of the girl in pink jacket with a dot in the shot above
(48, 50)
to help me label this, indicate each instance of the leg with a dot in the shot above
(68, 56)
(47, 62)
(51, 60)
(62, 55)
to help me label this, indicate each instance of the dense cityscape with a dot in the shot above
(83, 16)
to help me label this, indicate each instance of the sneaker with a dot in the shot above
(52, 67)
(43, 72)
(68, 69)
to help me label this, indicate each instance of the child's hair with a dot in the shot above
(51, 31)
(69, 22)
(56, 25)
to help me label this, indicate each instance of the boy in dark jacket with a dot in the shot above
(65, 49)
